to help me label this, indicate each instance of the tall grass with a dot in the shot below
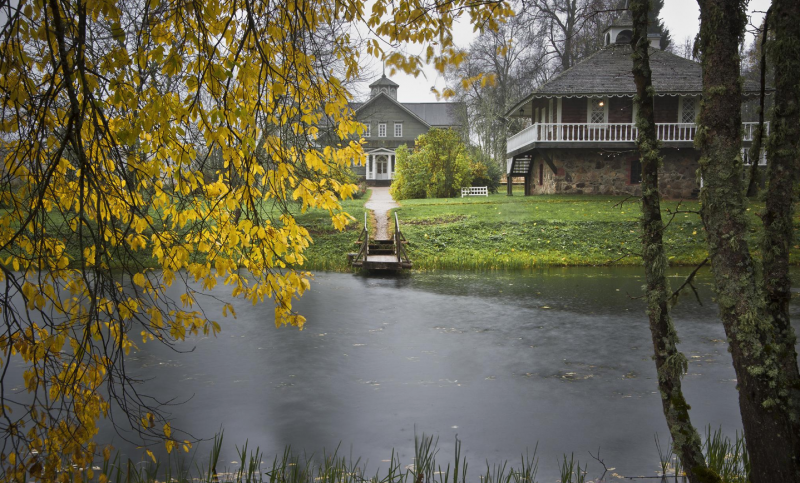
(728, 458)
(291, 468)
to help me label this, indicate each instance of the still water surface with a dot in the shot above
(559, 357)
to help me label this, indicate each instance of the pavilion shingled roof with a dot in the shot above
(608, 73)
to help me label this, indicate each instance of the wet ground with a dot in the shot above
(560, 358)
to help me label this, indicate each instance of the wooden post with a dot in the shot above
(529, 175)
(509, 185)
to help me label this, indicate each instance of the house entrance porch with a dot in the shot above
(380, 165)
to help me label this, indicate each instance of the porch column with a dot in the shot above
(391, 166)
(368, 167)
(509, 181)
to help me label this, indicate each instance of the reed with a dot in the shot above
(725, 456)
(571, 471)
(728, 458)
(291, 468)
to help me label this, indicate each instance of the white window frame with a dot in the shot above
(590, 105)
(367, 130)
(398, 129)
(680, 108)
(382, 130)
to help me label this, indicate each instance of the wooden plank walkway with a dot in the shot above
(386, 254)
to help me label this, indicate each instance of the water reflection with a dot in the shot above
(560, 357)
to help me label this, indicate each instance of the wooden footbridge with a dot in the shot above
(380, 254)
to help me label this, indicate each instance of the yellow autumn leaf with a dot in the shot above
(196, 130)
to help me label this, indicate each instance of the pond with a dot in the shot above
(503, 361)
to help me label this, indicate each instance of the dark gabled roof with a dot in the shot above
(432, 114)
(608, 73)
(388, 98)
(435, 113)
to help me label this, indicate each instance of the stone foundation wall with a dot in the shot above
(595, 172)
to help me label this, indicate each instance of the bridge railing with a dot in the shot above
(364, 249)
(399, 241)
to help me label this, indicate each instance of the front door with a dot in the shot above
(382, 167)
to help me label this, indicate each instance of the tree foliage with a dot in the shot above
(500, 67)
(573, 28)
(148, 144)
(656, 25)
(438, 167)
(485, 171)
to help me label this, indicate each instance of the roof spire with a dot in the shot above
(384, 68)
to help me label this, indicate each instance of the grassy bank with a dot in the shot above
(516, 233)
(328, 252)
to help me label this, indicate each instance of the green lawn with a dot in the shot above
(510, 233)
(502, 232)
(330, 247)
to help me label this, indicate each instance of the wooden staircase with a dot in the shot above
(521, 166)
(380, 254)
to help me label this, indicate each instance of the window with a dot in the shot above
(367, 130)
(597, 110)
(688, 109)
(398, 129)
(636, 171)
(382, 130)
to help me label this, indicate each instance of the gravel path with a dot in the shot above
(380, 203)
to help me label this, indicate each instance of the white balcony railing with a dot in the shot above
(608, 133)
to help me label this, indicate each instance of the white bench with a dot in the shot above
(475, 191)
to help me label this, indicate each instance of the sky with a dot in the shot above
(680, 16)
